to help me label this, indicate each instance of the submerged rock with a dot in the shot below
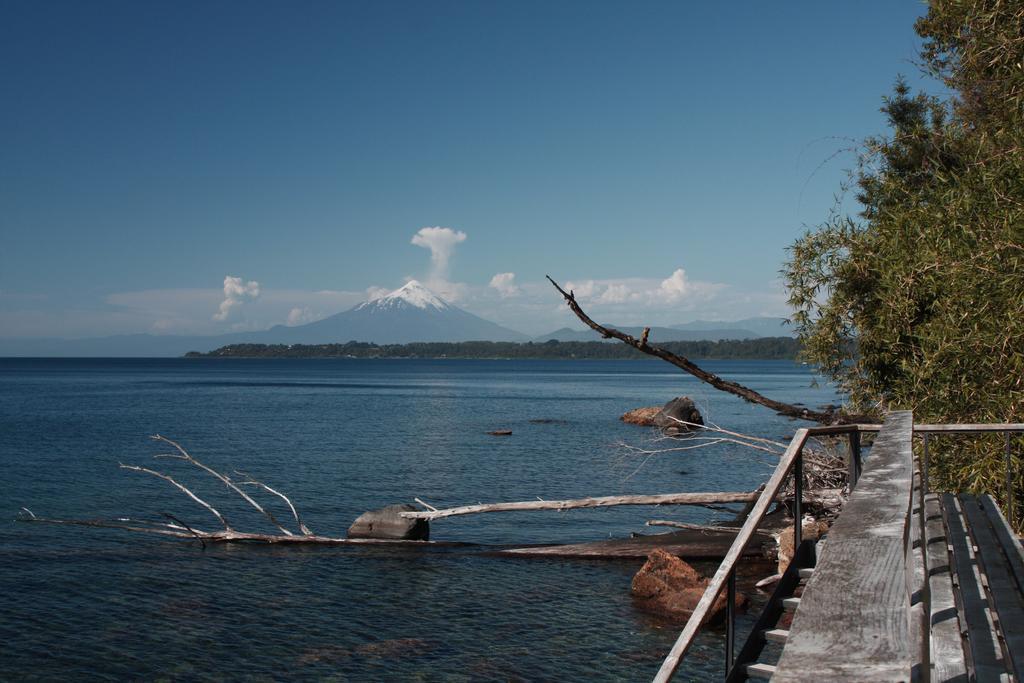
(386, 523)
(671, 588)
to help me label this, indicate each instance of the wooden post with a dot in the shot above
(730, 621)
(1009, 479)
(924, 465)
(798, 507)
(854, 465)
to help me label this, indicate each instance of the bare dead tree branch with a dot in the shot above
(685, 364)
(691, 527)
(601, 501)
(183, 489)
(180, 529)
(193, 531)
(184, 455)
(253, 482)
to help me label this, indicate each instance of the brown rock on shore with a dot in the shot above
(671, 588)
(641, 416)
(812, 530)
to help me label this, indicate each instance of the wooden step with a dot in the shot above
(790, 604)
(762, 671)
(776, 635)
(806, 572)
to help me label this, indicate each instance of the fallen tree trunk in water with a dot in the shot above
(224, 536)
(601, 501)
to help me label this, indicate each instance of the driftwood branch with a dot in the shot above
(691, 527)
(179, 529)
(226, 536)
(602, 501)
(295, 513)
(182, 454)
(183, 489)
(685, 364)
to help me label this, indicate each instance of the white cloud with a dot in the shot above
(441, 243)
(675, 286)
(646, 294)
(452, 292)
(301, 316)
(236, 291)
(186, 311)
(505, 284)
(373, 292)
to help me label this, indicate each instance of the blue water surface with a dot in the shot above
(342, 436)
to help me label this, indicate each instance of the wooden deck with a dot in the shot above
(908, 586)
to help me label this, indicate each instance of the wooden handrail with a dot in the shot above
(968, 428)
(718, 581)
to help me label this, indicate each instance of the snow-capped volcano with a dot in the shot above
(411, 294)
(411, 313)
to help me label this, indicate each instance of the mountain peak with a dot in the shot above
(412, 293)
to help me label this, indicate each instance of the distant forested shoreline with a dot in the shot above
(767, 348)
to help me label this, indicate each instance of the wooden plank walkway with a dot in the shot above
(908, 585)
(853, 620)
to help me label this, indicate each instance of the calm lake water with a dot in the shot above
(342, 437)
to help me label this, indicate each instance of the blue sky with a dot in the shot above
(151, 150)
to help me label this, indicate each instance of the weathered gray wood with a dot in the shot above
(1003, 591)
(917, 583)
(946, 646)
(717, 582)
(983, 652)
(689, 498)
(690, 545)
(968, 428)
(852, 623)
(760, 671)
(1007, 538)
(776, 635)
(791, 604)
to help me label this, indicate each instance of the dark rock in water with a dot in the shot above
(386, 523)
(501, 432)
(678, 409)
(548, 421)
(671, 588)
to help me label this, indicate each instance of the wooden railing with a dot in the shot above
(875, 565)
(725, 577)
(926, 431)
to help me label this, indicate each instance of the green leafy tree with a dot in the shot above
(918, 301)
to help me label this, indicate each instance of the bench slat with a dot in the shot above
(983, 650)
(1003, 589)
(946, 644)
(1007, 539)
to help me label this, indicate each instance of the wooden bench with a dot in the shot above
(910, 586)
(986, 565)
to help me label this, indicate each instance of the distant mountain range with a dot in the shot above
(409, 314)
(698, 330)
